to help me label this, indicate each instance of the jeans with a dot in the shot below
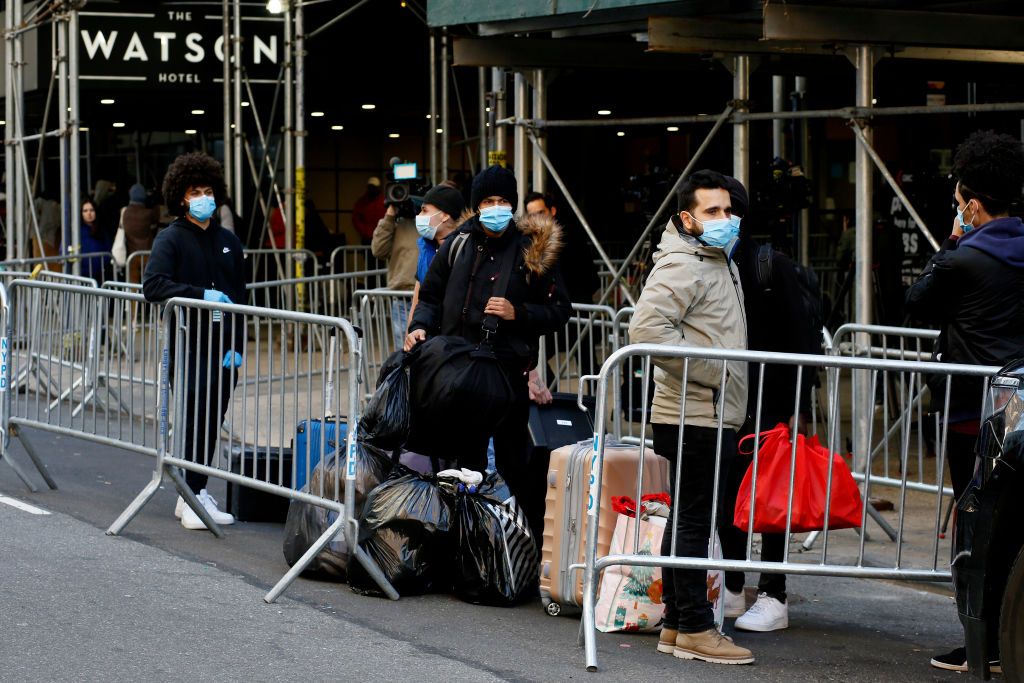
(686, 590)
(734, 539)
(400, 320)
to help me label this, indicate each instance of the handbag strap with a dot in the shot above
(764, 434)
(490, 322)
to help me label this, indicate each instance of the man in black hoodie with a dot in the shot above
(776, 322)
(195, 258)
(457, 294)
(972, 289)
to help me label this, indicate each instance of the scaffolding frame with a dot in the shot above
(22, 227)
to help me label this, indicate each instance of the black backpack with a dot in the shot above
(810, 293)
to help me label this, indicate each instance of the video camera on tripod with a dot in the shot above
(404, 189)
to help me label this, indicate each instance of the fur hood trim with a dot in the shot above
(545, 236)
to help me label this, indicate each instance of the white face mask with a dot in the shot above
(423, 226)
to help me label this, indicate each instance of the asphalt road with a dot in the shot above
(164, 603)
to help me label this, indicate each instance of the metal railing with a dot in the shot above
(74, 373)
(236, 420)
(352, 259)
(90, 264)
(273, 264)
(376, 311)
(914, 555)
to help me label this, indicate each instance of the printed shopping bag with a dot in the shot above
(809, 486)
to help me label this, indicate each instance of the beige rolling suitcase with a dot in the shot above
(565, 512)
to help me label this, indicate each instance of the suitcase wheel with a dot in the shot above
(553, 609)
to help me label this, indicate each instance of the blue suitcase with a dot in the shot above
(308, 439)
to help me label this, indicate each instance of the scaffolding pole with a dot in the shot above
(300, 146)
(481, 87)
(432, 129)
(741, 128)
(10, 150)
(519, 162)
(540, 111)
(229, 173)
(287, 140)
(74, 123)
(445, 106)
(863, 399)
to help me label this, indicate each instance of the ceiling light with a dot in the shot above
(604, 112)
(190, 131)
(439, 130)
(393, 136)
(673, 129)
(245, 104)
(621, 134)
(874, 100)
(428, 116)
(276, 6)
(337, 127)
(118, 124)
(4, 123)
(369, 106)
(487, 108)
(198, 112)
(107, 101)
(316, 114)
(84, 129)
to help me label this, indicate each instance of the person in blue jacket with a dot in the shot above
(91, 241)
(195, 258)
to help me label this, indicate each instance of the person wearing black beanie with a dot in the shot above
(463, 290)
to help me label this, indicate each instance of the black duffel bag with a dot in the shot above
(452, 377)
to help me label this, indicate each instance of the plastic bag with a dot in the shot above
(306, 523)
(385, 422)
(809, 487)
(496, 556)
(405, 528)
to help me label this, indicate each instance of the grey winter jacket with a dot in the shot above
(693, 298)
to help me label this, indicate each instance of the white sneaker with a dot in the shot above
(735, 603)
(766, 614)
(186, 514)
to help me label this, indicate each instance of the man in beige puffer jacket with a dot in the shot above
(693, 298)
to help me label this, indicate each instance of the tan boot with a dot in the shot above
(711, 646)
(667, 641)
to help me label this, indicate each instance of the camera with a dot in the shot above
(404, 187)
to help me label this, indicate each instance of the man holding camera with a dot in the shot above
(395, 241)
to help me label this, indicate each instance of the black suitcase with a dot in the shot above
(560, 423)
(249, 504)
(631, 393)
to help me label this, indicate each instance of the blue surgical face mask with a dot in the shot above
(735, 221)
(201, 208)
(966, 227)
(424, 228)
(496, 218)
(718, 232)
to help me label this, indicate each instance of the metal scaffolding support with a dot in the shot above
(740, 128)
(520, 153)
(865, 64)
(21, 187)
(540, 111)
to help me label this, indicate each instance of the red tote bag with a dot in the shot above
(809, 487)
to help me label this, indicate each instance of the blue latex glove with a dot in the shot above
(232, 360)
(215, 296)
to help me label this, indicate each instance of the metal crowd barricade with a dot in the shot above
(331, 295)
(135, 265)
(68, 375)
(235, 424)
(90, 263)
(900, 406)
(353, 258)
(373, 312)
(914, 555)
(579, 348)
(272, 264)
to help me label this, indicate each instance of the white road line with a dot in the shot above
(15, 503)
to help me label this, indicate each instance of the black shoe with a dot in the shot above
(957, 661)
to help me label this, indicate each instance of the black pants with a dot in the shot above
(734, 539)
(202, 420)
(686, 590)
(961, 457)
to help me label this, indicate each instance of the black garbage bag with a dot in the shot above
(406, 529)
(306, 523)
(385, 421)
(496, 556)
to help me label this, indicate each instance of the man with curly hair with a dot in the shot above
(972, 289)
(194, 257)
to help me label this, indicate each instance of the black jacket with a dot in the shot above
(775, 322)
(973, 288)
(186, 260)
(452, 298)
(576, 262)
